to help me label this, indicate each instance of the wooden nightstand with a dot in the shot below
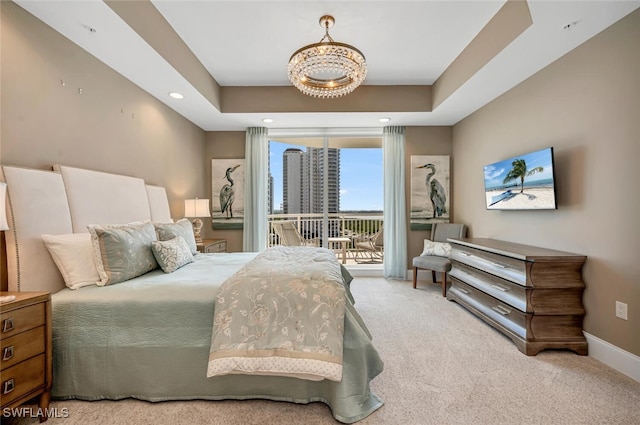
(26, 349)
(213, 245)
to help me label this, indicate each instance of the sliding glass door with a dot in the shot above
(330, 188)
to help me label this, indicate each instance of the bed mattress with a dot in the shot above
(149, 338)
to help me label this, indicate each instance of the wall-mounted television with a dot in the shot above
(524, 182)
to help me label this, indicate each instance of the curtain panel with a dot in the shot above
(395, 214)
(256, 189)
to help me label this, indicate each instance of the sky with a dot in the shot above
(360, 177)
(494, 173)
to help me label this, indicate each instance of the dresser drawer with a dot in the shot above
(511, 269)
(21, 379)
(510, 293)
(491, 309)
(20, 347)
(22, 319)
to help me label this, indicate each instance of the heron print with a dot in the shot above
(227, 184)
(429, 189)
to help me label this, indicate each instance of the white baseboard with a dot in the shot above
(613, 356)
(363, 270)
(601, 350)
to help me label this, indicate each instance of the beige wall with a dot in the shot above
(223, 145)
(423, 141)
(419, 141)
(587, 106)
(113, 126)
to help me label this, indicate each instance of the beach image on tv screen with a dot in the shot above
(521, 183)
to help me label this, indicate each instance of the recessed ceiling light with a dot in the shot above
(176, 95)
(384, 119)
(267, 120)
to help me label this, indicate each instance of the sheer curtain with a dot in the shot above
(395, 212)
(256, 188)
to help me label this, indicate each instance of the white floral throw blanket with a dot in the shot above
(281, 314)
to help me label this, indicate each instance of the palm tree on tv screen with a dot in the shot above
(519, 171)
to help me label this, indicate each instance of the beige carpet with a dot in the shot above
(442, 366)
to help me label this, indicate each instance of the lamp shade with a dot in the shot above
(196, 208)
(3, 208)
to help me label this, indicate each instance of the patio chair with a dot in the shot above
(370, 249)
(289, 235)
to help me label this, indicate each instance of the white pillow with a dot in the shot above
(172, 254)
(441, 249)
(73, 254)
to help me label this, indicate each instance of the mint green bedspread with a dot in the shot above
(149, 338)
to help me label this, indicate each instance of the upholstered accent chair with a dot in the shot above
(437, 259)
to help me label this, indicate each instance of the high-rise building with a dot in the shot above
(292, 181)
(313, 180)
(303, 177)
(270, 200)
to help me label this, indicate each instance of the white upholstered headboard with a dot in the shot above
(66, 201)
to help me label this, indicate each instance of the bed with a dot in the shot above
(150, 337)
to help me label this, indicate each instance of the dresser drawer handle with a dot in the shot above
(464, 291)
(500, 288)
(500, 266)
(8, 386)
(501, 310)
(7, 353)
(7, 325)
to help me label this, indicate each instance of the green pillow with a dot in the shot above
(182, 227)
(122, 252)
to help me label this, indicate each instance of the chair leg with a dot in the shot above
(444, 284)
(415, 277)
(433, 276)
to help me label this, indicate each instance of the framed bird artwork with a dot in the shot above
(430, 190)
(227, 193)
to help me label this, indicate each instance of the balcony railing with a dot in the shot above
(355, 226)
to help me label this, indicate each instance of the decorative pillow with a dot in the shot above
(182, 227)
(123, 252)
(73, 254)
(172, 254)
(441, 249)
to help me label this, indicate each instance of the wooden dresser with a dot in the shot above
(532, 295)
(213, 245)
(25, 347)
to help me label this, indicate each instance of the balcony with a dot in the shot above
(352, 226)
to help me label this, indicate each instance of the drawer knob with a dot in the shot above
(501, 310)
(500, 288)
(8, 386)
(7, 353)
(7, 325)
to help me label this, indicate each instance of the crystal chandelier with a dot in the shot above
(327, 69)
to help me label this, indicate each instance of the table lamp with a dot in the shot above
(195, 208)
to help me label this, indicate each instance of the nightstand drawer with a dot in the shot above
(21, 379)
(216, 247)
(21, 347)
(209, 246)
(22, 319)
